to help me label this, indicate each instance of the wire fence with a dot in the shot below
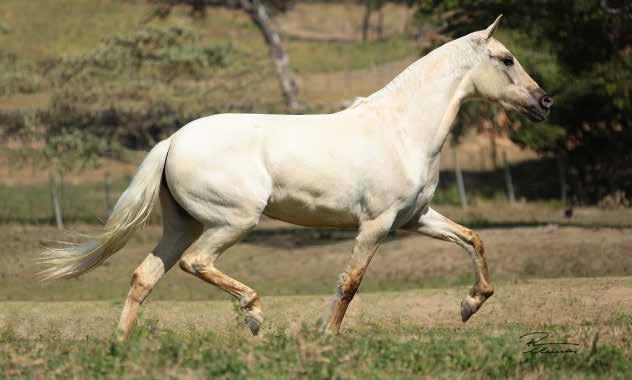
(59, 201)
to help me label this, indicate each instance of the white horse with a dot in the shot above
(374, 166)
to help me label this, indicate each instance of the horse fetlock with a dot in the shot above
(482, 292)
(249, 301)
(473, 302)
(348, 284)
(121, 336)
(329, 329)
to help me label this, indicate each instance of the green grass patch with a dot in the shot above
(374, 351)
(64, 27)
(80, 203)
(107, 287)
(312, 56)
(89, 22)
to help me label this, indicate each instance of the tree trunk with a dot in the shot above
(380, 23)
(259, 15)
(561, 170)
(511, 195)
(108, 194)
(492, 148)
(366, 21)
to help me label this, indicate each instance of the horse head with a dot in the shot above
(500, 78)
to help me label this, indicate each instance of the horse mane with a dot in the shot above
(358, 100)
(414, 71)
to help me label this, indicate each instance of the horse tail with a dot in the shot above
(131, 212)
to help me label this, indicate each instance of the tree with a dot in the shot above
(130, 91)
(371, 6)
(589, 71)
(257, 11)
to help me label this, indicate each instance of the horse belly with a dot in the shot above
(305, 210)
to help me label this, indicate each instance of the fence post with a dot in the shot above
(61, 190)
(493, 150)
(31, 215)
(459, 177)
(483, 164)
(510, 188)
(561, 169)
(108, 194)
(55, 201)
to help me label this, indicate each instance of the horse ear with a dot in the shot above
(489, 32)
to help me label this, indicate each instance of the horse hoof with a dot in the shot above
(120, 337)
(327, 330)
(468, 307)
(253, 320)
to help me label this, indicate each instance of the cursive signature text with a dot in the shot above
(537, 344)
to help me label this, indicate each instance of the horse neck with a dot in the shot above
(428, 94)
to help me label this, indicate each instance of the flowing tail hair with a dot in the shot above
(129, 214)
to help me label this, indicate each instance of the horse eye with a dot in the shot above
(508, 61)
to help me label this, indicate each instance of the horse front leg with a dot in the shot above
(437, 226)
(366, 244)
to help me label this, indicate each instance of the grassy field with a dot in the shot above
(570, 281)
(374, 351)
(286, 260)
(332, 63)
(386, 335)
(570, 277)
(90, 22)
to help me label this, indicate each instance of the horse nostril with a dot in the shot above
(546, 102)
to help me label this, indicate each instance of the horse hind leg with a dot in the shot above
(199, 260)
(179, 231)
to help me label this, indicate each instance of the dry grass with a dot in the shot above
(403, 323)
(569, 302)
(340, 21)
(279, 259)
(329, 73)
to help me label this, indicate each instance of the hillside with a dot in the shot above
(332, 63)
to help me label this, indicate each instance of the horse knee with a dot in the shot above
(250, 302)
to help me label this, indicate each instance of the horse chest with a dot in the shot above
(419, 193)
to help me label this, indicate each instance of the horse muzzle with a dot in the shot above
(538, 109)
